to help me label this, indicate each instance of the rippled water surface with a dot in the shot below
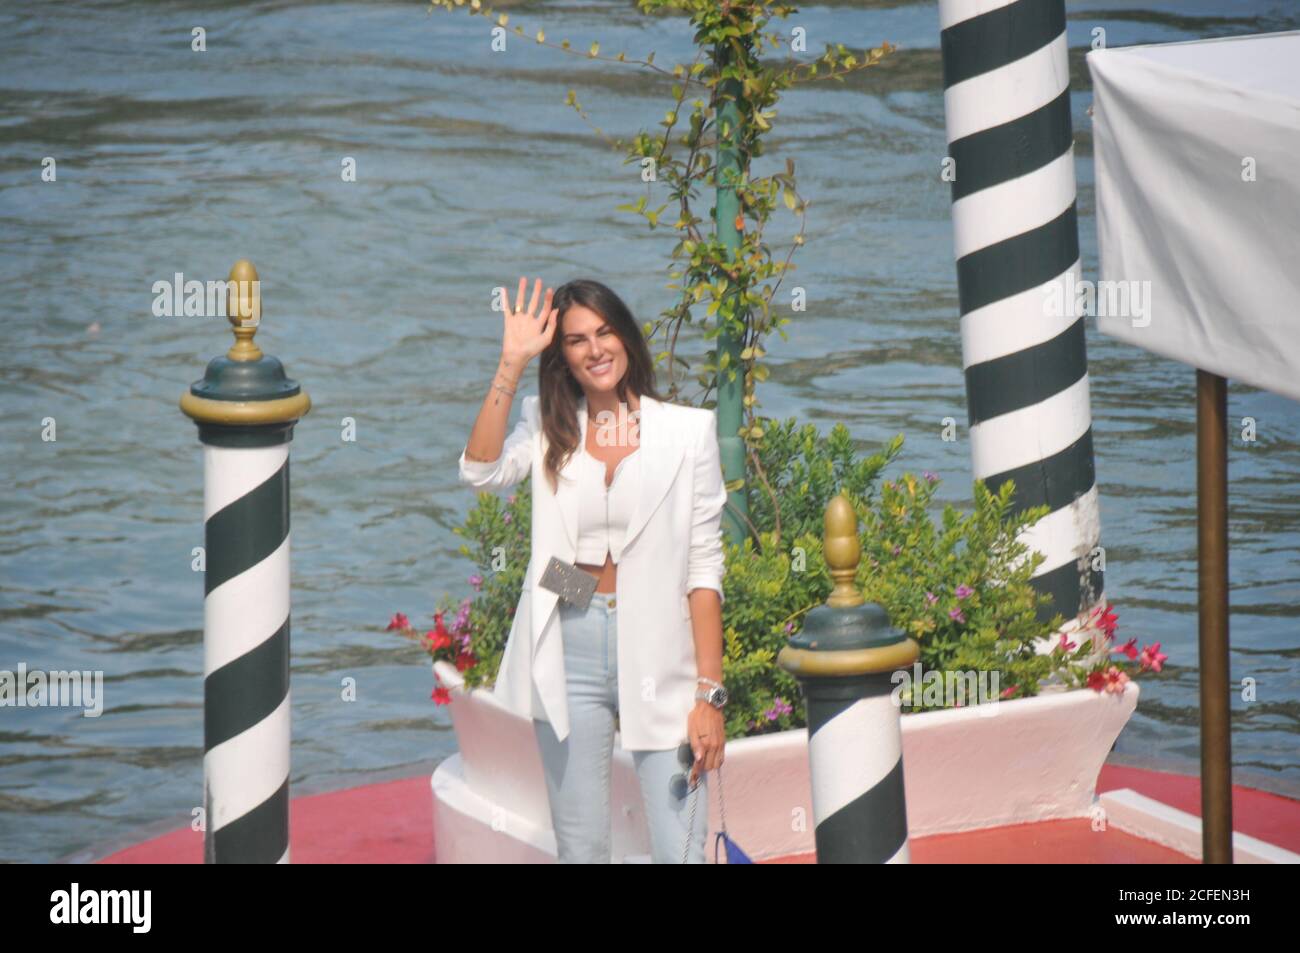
(471, 170)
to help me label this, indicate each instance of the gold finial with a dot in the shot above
(843, 551)
(244, 310)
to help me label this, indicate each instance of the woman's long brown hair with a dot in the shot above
(557, 388)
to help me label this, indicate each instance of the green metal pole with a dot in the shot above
(730, 393)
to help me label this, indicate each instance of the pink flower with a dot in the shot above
(476, 581)
(1066, 645)
(964, 590)
(399, 622)
(931, 598)
(1153, 658)
(1112, 680)
(1115, 681)
(779, 708)
(1009, 691)
(956, 615)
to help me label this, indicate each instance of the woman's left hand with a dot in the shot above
(707, 731)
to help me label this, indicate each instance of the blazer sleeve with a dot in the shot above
(516, 454)
(705, 564)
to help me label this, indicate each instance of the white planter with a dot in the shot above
(1009, 762)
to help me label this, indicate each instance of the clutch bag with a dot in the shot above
(573, 585)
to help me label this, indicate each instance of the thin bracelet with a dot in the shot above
(502, 389)
(709, 681)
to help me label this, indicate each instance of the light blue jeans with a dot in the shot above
(578, 768)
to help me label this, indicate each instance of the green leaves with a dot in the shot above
(955, 580)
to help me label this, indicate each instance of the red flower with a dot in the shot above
(441, 696)
(1129, 648)
(1065, 644)
(1009, 691)
(399, 622)
(437, 640)
(1105, 619)
(465, 660)
(1112, 680)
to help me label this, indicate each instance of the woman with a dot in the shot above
(641, 513)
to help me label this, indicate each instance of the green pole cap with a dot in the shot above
(245, 389)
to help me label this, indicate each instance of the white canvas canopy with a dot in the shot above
(1198, 202)
(1198, 193)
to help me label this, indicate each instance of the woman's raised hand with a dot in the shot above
(528, 333)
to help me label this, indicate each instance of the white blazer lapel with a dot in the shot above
(662, 452)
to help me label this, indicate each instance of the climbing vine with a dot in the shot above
(727, 95)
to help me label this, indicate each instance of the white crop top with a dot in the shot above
(603, 512)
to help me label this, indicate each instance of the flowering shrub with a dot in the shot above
(959, 585)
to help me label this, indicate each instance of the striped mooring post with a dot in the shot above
(844, 658)
(1006, 78)
(245, 408)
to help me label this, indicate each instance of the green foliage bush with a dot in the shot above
(958, 583)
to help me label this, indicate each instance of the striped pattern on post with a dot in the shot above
(1007, 105)
(855, 755)
(246, 654)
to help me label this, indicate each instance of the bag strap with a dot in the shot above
(722, 812)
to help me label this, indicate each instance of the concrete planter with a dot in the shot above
(965, 768)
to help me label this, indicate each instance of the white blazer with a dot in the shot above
(674, 545)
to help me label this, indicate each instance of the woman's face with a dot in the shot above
(596, 356)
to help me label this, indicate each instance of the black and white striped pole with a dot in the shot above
(1006, 80)
(245, 408)
(844, 658)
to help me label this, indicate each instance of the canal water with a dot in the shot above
(470, 170)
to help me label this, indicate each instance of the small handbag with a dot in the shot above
(734, 853)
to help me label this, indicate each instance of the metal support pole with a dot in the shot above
(728, 170)
(245, 408)
(844, 658)
(1212, 549)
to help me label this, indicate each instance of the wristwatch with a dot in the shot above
(715, 694)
